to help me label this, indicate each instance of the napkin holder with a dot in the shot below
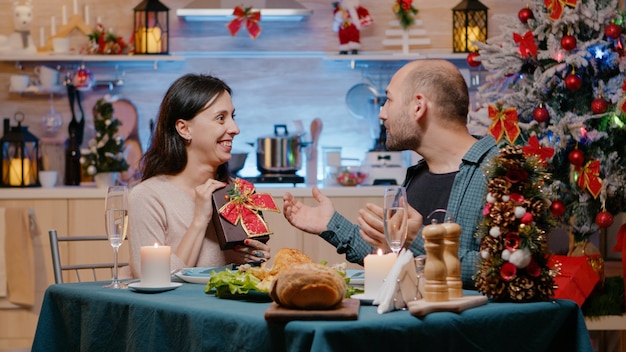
(228, 235)
(401, 285)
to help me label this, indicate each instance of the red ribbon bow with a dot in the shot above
(589, 177)
(504, 123)
(555, 7)
(527, 45)
(534, 148)
(251, 18)
(244, 206)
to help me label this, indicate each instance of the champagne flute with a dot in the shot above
(395, 217)
(116, 222)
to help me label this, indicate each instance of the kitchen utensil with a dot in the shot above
(236, 162)
(365, 102)
(279, 152)
(311, 166)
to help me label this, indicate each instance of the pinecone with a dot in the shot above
(499, 187)
(502, 214)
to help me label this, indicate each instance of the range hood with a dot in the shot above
(222, 10)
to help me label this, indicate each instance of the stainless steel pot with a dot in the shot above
(280, 152)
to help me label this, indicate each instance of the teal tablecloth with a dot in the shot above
(87, 317)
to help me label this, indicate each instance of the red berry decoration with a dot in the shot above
(576, 157)
(604, 219)
(599, 105)
(613, 31)
(83, 79)
(525, 14)
(568, 42)
(557, 208)
(471, 59)
(573, 82)
(541, 114)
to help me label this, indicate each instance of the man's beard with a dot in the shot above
(404, 138)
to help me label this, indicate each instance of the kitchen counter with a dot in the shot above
(89, 191)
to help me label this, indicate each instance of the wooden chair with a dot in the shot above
(59, 268)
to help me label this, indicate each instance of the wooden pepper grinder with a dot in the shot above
(451, 258)
(435, 283)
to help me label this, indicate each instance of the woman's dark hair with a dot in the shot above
(185, 99)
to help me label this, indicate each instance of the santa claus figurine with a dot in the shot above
(350, 17)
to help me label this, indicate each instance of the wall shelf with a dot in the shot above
(91, 58)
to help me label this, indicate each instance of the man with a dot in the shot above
(426, 111)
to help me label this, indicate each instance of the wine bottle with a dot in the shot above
(72, 161)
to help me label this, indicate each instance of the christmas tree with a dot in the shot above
(557, 72)
(106, 148)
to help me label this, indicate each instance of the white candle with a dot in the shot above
(155, 266)
(99, 20)
(64, 18)
(76, 7)
(53, 26)
(377, 267)
(41, 43)
(86, 14)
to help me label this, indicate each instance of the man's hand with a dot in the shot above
(307, 218)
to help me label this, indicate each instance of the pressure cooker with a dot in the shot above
(279, 153)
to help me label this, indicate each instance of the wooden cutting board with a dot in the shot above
(348, 309)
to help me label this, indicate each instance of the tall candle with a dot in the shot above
(16, 172)
(53, 26)
(86, 14)
(155, 266)
(41, 42)
(64, 14)
(76, 7)
(377, 267)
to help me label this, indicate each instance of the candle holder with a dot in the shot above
(151, 28)
(20, 155)
(469, 25)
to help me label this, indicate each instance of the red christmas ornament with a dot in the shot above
(471, 59)
(527, 218)
(525, 14)
(557, 208)
(576, 157)
(604, 219)
(541, 114)
(573, 82)
(599, 105)
(613, 31)
(83, 79)
(568, 42)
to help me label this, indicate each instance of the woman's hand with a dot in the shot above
(254, 251)
(204, 200)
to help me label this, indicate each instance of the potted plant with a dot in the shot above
(104, 157)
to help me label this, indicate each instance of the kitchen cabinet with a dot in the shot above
(79, 210)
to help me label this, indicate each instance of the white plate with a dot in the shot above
(357, 277)
(364, 298)
(136, 286)
(199, 275)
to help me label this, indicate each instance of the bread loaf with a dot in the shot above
(308, 286)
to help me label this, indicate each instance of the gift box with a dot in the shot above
(575, 280)
(237, 214)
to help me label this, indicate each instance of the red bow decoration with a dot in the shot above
(534, 148)
(251, 18)
(244, 206)
(504, 123)
(555, 7)
(589, 177)
(527, 45)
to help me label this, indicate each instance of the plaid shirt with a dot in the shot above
(466, 203)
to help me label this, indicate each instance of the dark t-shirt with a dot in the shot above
(427, 192)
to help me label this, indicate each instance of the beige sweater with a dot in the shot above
(159, 212)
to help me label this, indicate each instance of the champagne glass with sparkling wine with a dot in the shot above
(116, 222)
(395, 217)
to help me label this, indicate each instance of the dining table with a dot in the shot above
(87, 317)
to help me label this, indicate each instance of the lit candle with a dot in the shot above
(41, 43)
(53, 26)
(16, 172)
(64, 18)
(76, 7)
(148, 40)
(377, 267)
(155, 266)
(86, 14)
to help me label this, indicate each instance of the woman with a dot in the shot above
(185, 164)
